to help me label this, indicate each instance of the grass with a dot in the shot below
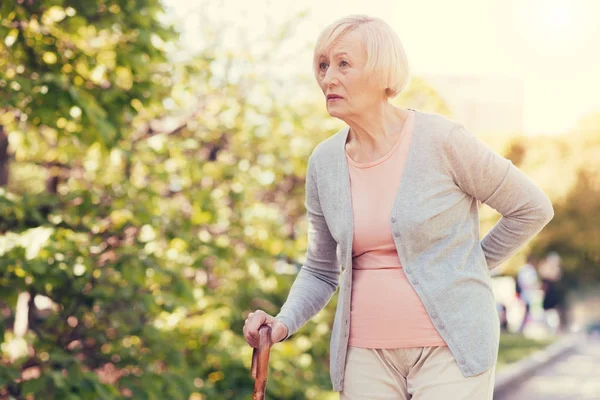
(515, 347)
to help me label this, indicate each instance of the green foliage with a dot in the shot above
(80, 69)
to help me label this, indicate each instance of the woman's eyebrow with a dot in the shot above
(339, 53)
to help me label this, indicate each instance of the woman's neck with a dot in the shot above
(374, 134)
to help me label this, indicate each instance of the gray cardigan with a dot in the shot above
(435, 223)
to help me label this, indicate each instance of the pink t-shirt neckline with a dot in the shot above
(405, 128)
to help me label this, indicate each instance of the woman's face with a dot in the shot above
(341, 73)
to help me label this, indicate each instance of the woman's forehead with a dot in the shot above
(336, 53)
(346, 46)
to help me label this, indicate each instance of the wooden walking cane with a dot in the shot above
(260, 362)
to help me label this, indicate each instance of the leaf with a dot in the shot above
(106, 392)
(59, 380)
(8, 374)
(37, 266)
(61, 357)
(35, 386)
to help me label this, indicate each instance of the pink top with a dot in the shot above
(386, 312)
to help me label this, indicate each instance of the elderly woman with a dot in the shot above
(392, 206)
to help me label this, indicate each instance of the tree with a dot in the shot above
(77, 78)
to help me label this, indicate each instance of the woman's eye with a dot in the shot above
(322, 66)
(343, 62)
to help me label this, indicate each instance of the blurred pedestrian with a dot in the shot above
(550, 273)
(528, 284)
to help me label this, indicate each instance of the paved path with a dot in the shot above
(573, 376)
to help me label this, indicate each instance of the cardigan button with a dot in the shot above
(434, 315)
(393, 219)
(461, 361)
(397, 234)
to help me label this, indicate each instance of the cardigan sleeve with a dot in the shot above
(495, 181)
(318, 278)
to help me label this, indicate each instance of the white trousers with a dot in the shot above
(417, 373)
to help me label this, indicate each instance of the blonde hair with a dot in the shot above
(386, 60)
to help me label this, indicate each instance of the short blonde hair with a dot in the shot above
(386, 60)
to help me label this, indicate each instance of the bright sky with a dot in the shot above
(553, 46)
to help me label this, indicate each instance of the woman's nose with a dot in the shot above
(330, 77)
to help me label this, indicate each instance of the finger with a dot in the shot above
(249, 338)
(248, 318)
(256, 321)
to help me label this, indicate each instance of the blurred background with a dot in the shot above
(152, 165)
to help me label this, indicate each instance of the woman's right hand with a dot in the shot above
(258, 318)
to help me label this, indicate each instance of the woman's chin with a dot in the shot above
(334, 112)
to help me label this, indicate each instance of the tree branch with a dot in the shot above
(150, 131)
